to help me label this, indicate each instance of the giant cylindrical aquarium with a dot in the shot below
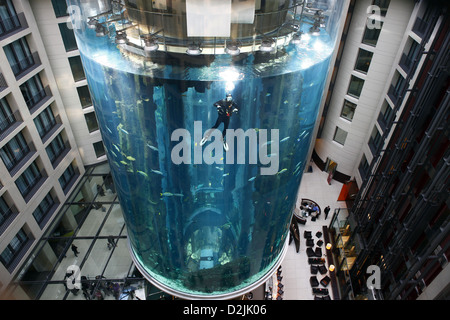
(207, 110)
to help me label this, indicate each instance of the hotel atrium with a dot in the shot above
(326, 177)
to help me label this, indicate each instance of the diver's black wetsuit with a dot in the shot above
(225, 109)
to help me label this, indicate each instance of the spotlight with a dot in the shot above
(267, 46)
(328, 246)
(100, 30)
(315, 30)
(92, 23)
(150, 45)
(319, 18)
(193, 50)
(296, 38)
(233, 49)
(331, 267)
(121, 37)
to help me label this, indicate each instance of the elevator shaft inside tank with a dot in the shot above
(207, 209)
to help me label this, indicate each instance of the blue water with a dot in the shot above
(204, 229)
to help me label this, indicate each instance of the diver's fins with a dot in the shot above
(203, 141)
(225, 145)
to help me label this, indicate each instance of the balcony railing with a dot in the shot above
(406, 63)
(50, 128)
(70, 183)
(8, 218)
(419, 27)
(3, 84)
(18, 161)
(394, 95)
(36, 101)
(13, 24)
(21, 252)
(61, 154)
(34, 186)
(26, 65)
(9, 124)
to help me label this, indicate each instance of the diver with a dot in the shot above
(225, 108)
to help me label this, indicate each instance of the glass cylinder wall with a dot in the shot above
(206, 218)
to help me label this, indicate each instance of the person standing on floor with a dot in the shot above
(75, 250)
(326, 210)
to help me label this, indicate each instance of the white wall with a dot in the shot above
(376, 83)
(25, 218)
(58, 57)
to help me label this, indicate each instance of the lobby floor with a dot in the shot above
(96, 259)
(295, 268)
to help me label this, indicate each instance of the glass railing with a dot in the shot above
(3, 84)
(11, 24)
(37, 99)
(8, 122)
(26, 64)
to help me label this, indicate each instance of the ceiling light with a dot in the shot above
(267, 46)
(100, 30)
(233, 49)
(315, 30)
(193, 50)
(150, 44)
(92, 23)
(121, 37)
(296, 38)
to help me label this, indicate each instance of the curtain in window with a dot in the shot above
(15, 150)
(28, 179)
(8, 17)
(6, 116)
(45, 121)
(33, 91)
(4, 210)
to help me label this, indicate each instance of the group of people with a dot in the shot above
(311, 209)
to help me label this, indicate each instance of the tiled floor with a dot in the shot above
(295, 267)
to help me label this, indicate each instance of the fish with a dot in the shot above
(142, 173)
(281, 171)
(131, 158)
(167, 194)
(109, 130)
(226, 174)
(268, 94)
(286, 102)
(124, 130)
(226, 226)
(285, 139)
(117, 148)
(219, 168)
(267, 143)
(152, 147)
(157, 172)
(124, 162)
(252, 178)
